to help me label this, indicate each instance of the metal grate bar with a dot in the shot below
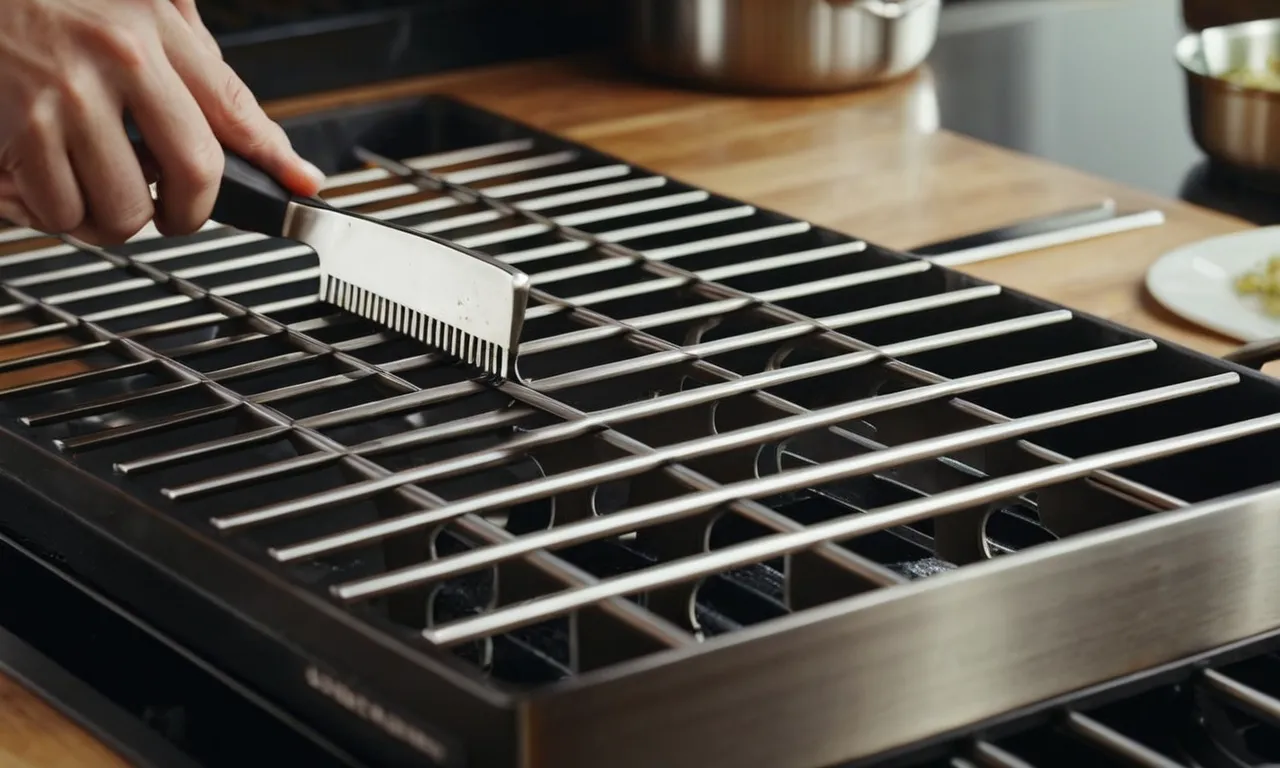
(782, 544)
(1116, 743)
(1251, 700)
(989, 755)
(622, 522)
(625, 413)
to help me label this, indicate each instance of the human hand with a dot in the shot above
(70, 69)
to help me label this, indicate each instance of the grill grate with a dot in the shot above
(723, 416)
(705, 390)
(1223, 716)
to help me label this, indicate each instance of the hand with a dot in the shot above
(69, 70)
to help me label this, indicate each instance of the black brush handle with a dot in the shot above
(249, 198)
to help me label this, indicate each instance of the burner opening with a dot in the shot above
(1014, 528)
(740, 598)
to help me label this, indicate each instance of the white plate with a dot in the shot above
(1197, 282)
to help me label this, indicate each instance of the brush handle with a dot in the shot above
(249, 198)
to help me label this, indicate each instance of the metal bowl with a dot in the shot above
(784, 46)
(1237, 127)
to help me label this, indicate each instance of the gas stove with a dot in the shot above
(762, 494)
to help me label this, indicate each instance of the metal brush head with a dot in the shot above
(464, 303)
(486, 355)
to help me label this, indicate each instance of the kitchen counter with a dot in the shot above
(874, 164)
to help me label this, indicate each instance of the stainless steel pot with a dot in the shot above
(782, 45)
(1237, 127)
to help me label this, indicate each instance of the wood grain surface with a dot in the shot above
(34, 735)
(872, 164)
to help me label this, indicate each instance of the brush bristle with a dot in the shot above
(485, 355)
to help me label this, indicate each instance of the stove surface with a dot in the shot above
(736, 442)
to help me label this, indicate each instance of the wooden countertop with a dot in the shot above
(870, 164)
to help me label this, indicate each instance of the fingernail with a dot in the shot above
(312, 171)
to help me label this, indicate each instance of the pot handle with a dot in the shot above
(885, 9)
(1256, 354)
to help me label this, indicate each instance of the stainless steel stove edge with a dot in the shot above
(830, 685)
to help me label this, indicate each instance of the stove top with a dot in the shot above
(752, 476)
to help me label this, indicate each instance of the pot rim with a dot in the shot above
(1192, 43)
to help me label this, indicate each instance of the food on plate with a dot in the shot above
(1267, 79)
(1263, 283)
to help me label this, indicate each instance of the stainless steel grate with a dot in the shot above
(723, 416)
(1223, 716)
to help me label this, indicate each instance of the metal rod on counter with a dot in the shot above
(1064, 228)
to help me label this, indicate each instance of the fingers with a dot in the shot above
(42, 176)
(117, 200)
(234, 114)
(12, 208)
(182, 146)
(192, 16)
